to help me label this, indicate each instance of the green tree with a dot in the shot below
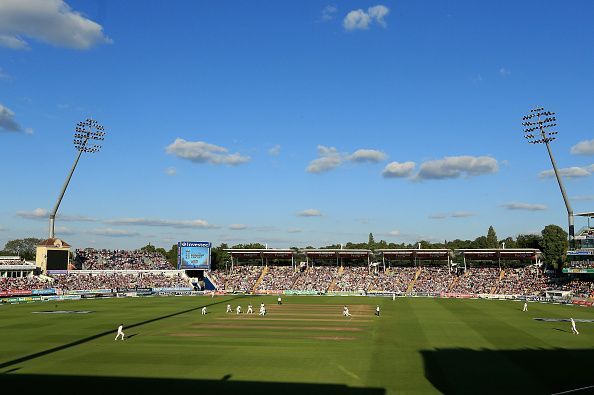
(371, 242)
(554, 245)
(172, 255)
(528, 241)
(220, 256)
(479, 242)
(25, 248)
(491, 238)
(148, 248)
(509, 242)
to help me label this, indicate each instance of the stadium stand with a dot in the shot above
(92, 259)
(118, 280)
(316, 278)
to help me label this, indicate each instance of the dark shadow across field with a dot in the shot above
(530, 371)
(116, 385)
(105, 333)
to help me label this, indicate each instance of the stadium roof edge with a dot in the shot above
(585, 214)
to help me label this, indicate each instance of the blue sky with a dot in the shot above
(292, 123)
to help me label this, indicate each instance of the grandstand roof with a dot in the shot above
(411, 253)
(261, 252)
(498, 253)
(336, 252)
(586, 214)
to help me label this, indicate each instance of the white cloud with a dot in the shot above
(329, 12)
(583, 198)
(569, 172)
(51, 21)
(201, 152)
(294, 230)
(109, 232)
(43, 214)
(457, 166)
(34, 214)
(379, 12)
(12, 42)
(394, 233)
(438, 216)
(361, 20)
(455, 214)
(237, 226)
(356, 20)
(368, 155)
(180, 224)
(171, 171)
(329, 158)
(311, 212)
(504, 72)
(4, 75)
(275, 151)
(64, 231)
(3, 229)
(7, 121)
(462, 214)
(585, 147)
(398, 170)
(524, 206)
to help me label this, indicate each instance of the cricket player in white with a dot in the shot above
(229, 309)
(262, 309)
(279, 300)
(345, 312)
(204, 310)
(377, 311)
(238, 309)
(120, 332)
(573, 329)
(525, 306)
(393, 296)
(250, 311)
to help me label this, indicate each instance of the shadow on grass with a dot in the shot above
(530, 371)
(105, 333)
(110, 385)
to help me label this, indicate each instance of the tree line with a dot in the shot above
(552, 241)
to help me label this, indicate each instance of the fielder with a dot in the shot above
(229, 309)
(279, 300)
(377, 310)
(573, 329)
(203, 311)
(238, 309)
(120, 332)
(525, 306)
(393, 296)
(262, 310)
(249, 310)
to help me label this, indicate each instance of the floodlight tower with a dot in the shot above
(85, 131)
(537, 126)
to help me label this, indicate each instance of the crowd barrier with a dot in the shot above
(25, 296)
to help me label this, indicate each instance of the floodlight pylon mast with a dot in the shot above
(539, 121)
(85, 131)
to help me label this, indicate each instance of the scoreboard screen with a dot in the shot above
(193, 255)
(57, 260)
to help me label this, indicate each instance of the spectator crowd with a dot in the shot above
(92, 259)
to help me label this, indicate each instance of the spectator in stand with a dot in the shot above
(92, 259)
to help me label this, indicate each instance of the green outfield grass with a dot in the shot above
(418, 345)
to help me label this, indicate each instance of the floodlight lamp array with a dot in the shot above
(87, 130)
(536, 126)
